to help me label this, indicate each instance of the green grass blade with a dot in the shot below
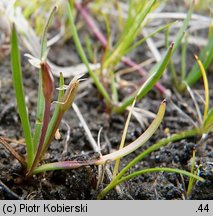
(19, 93)
(183, 29)
(40, 101)
(141, 140)
(81, 53)
(150, 82)
(183, 58)
(123, 138)
(43, 51)
(206, 58)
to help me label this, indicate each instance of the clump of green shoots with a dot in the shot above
(203, 129)
(116, 54)
(47, 125)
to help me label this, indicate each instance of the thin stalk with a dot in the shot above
(76, 39)
(142, 139)
(183, 58)
(19, 93)
(19, 157)
(171, 65)
(149, 83)
(117, 163)
(206, 87)
(114, 89)
(61, 166)
(44, 35)
(158, 145)
(47, 89)
(40, 100)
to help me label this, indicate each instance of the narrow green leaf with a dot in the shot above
(19, 93)
(183, 58)
(40, 101)
(47, 89)
(183, 29)
(142, 139)
(150, 82)
(123, 138)
(43, 51)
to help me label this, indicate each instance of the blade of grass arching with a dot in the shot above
(112, 156)
(19, 93)
(81, 53)
(206, 58)
(171, 65)
(149, 83)
(117, 163)
(158, 145)
(206, 87)
(141, 140)
(40, 100)
(44, 35)
(150, 170)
